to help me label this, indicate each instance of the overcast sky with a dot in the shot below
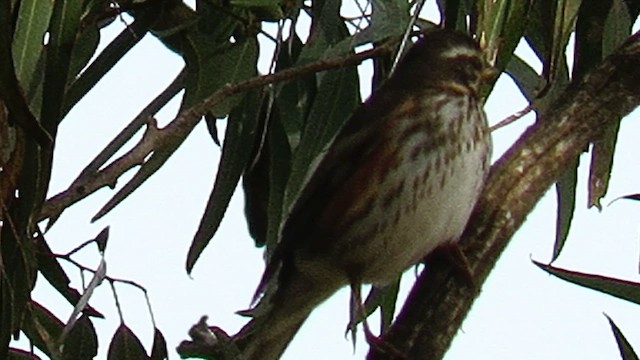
(522, 313)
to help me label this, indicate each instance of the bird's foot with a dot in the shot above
(383, 346)
(452, 254)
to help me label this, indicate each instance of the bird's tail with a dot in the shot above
(278, 316)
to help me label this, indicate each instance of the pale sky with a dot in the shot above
(522, 313)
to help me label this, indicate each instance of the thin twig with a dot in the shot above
(512, 118)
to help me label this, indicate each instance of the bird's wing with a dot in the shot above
(353, 144)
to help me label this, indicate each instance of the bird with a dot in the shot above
(398, 181)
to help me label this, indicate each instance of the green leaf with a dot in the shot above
(280, 160)
(10, 90)
(107, 59)
(501, 26)
(297, 95)
(565, 16)
(337, 97)
(566, 193)
(384, 298)
(211, 66)
(626, 351)
(83, 50)
(28, 42)
(388, 19)
(63, 29)
(525, 78)
(623, 289)
(125, 345)
(617, 27)
(148, 168)
(236, 151)
(601, 164)
(42, 328)
(210, 73)
(82, 341)
(19, 270)
(327, 29)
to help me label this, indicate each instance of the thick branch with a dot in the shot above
(439, 301)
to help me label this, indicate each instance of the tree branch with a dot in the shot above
(439, 301)
(158, 139)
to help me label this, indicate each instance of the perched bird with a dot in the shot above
(399, 180)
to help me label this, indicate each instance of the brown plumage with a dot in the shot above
(399, 180)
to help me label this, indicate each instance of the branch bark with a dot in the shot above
(439, 301)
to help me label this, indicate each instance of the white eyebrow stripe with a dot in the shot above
(459, 51)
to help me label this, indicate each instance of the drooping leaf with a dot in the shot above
(107, 59)
(236, 151)
(629, 197)
(159, 348)
(10, 89)
(18, 275)
(211, 66)
(565, 16)
(83, 50)
(42, 328)
(28, 42)
(63, 30)
(525, 78)
(566, 194)
(280, 161)
(297, 95)
(125, 345)
(602, 154)
(626, 351)
(82, 341)
(623, 289)
(237, 63)
(501, 25)
(617, 27)
(337, 96)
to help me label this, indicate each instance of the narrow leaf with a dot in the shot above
(623, 289)
(10, 89)
(626, 351)
(601, 164)
(337, 96)
(208, 71)
(42, 328)
(63, 29)
(107, 59)
(236, 150)
(566, 193)
(28, 42)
